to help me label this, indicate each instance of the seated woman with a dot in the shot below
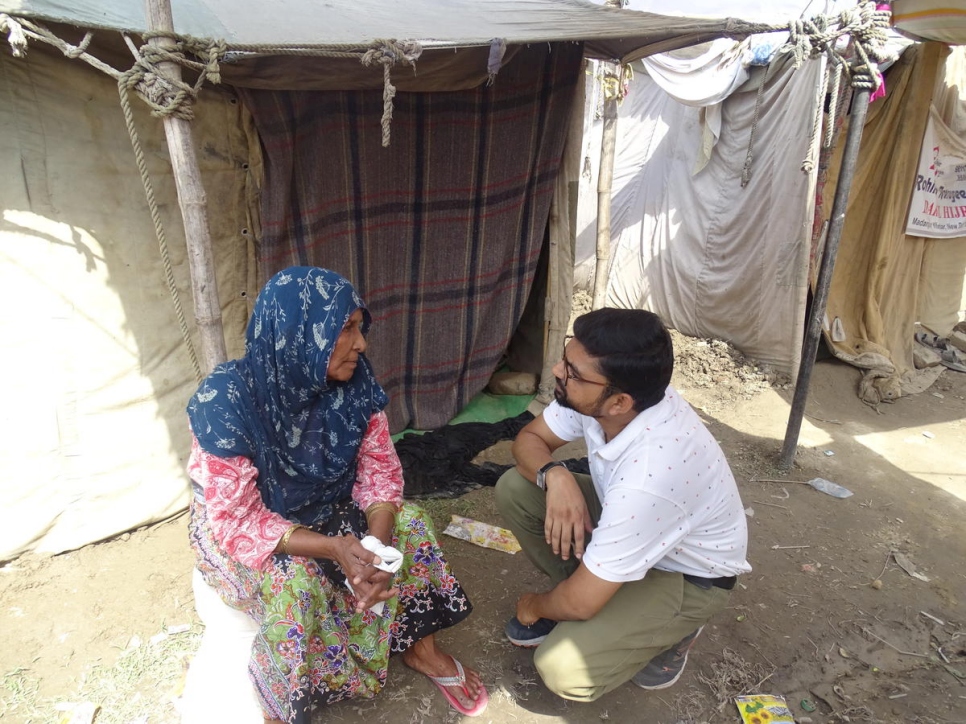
(292, 465)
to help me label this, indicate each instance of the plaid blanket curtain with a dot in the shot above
(440, 232)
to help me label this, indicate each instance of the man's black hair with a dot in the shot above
(633, 351)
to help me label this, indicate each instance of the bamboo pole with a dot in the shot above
(605, 178)
(193, 203)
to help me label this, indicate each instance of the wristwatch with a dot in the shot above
(542, 473)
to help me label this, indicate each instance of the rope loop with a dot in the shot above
(387, 53)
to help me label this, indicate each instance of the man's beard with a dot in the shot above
(560, 395)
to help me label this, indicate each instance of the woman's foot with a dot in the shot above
(424, 657)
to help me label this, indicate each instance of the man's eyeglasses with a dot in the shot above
(571, 373)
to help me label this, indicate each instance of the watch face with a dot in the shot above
(541, 483)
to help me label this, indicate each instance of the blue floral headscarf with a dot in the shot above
(275, 405)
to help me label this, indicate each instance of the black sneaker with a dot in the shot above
(666, 668)
(528, 636)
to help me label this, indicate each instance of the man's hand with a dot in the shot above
(568, 519)
(578, 598)
(526, 609)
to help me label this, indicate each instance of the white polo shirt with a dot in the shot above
(669, 499)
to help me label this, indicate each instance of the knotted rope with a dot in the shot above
(168, 96)
(864, 24)
(387, 53)
(15, 35)
(867, 29)
(746, 169)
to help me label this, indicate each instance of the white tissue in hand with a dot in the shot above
(390, 557)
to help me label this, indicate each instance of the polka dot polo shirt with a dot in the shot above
(668, 496)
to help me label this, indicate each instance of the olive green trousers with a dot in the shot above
(583, 660)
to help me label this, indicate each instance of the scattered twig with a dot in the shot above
(755, 647)
(817, 652)
(933, 618)
(822, 419)
(773, 505)
(895, 648)
(885, 565)
(831, 625)
(758, 685)
(787, 548)
(782, 497)
(775, 480)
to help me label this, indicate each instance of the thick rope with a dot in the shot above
(27, 29)
(123, 89)
(388, 53)
(169, 96)
(867, 30)
(15, 35)
(746, 169)
(835, 97)
(808, 163)
(864, 24)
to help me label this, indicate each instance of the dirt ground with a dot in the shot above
(855, 610)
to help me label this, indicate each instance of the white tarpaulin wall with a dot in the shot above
(93, 431)
(712, 258)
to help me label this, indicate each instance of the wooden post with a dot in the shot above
(605, 178)
(193, 203)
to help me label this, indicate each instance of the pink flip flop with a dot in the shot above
(479, 706)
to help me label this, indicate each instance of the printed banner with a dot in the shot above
(938, 207)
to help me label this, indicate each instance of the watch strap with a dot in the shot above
(542, 473)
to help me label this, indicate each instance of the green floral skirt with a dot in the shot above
(312, 648)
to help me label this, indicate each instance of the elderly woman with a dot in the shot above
(297, 486)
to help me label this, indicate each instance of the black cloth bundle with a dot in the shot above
(439, 463)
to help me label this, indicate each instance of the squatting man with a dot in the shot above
(643, 551)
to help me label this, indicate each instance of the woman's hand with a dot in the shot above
(369, 583)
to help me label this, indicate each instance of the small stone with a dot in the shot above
(925, 357)
(957, 339)
(512, 383)
(876, 584)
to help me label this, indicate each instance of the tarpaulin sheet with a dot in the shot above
(609, 32)
(93, 433)
(712, 258)
(440, 232)
(877, 277)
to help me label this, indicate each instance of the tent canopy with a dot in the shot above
(609, 33)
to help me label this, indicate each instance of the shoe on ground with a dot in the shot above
(528, 637)
(666, 668)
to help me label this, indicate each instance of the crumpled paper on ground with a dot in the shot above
(482, 534)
